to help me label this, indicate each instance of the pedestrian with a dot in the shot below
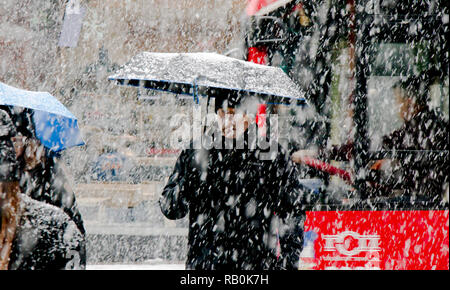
(237, 203)
(423, 131)
(33, 234)
(424, 134)
(43, 175)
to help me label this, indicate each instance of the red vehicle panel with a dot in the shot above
(387, 240)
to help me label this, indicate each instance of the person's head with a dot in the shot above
(411, 95)
(233, 119)
(28, 148)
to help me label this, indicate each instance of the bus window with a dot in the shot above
(406, 121)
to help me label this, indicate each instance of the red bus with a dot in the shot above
(349, 56)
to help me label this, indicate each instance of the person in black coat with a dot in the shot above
(33, 235)
(42, 175)
(425, 132)
(422, 172)
(238, 205)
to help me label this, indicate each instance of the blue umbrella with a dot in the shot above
(55, 126)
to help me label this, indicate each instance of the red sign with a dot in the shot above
(388, 240)
(257, 54)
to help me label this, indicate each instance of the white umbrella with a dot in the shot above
(206, 74)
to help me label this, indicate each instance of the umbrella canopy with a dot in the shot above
(205, 74)
(55, 126)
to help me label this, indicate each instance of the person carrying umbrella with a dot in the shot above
(43, 177)
(240, 199)
(237, 203)
(33, 234)
(43, 128)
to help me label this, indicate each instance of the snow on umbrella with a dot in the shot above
(55, 126)
(200, 74)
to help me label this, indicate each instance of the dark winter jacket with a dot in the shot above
(421, 167)
(425, 131)
(237, 206)
(48, 183)
(46, 239)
